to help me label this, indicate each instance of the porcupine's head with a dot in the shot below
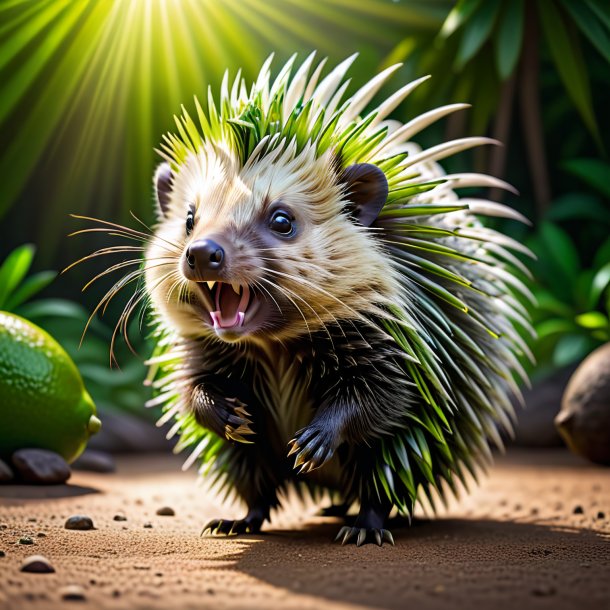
(273, 242)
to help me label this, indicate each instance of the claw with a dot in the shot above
(341, 532)
(300, 459)
(361, 537)
(295, 446)
(378, 538)
(387, 536)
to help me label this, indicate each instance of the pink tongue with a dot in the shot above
(230, 306)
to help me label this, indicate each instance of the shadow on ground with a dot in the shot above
(41, 492)
(494, 564)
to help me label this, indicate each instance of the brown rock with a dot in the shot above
(72, 593)
(584, 419)
(79, 522)
(37, 564)
(166, 511)
(40, 466)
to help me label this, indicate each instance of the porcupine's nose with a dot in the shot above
(205, 257)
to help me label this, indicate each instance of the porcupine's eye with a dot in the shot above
(190, 222)
(282, 222)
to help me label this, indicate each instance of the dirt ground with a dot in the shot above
(534, 534)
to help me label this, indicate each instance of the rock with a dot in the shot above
(72, 593)
(79, 522)
(584, 419)
(2, 554)
(166, 511)
(95, 461)
(40, 466)
(125, 433)
(37, 564)
(535, 427)
(119, 518)
(6, 474)
(148, 525)
(26, 540)
(578, 510)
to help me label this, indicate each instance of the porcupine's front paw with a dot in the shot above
(236, 421)
(313, 446)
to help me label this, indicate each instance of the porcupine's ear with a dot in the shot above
(366, 189)
(163, 181)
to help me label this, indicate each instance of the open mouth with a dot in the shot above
(231, 302)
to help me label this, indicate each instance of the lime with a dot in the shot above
(43, 402)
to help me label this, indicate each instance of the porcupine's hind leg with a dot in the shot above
(369, 525)
(252, 474)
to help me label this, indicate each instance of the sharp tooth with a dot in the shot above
(236, 287)
(210, 285)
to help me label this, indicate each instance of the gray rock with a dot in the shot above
(79, 522)
(584, 419)
(93, 460)
(535, 421)
(125, 433)
(40, 466)
(6, 474)
(37, 564)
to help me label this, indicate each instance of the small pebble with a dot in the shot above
(543, 591)
(79, 522)
(26, 540)
(116, 593)
(32, 519)
(3, 526)
(166, 511)
(41, 535)
(40, 466)
(2, 554)
(119, 518)
(72, 593)
(148, 525)
(37, 564)
(578, 510)
(601, 514)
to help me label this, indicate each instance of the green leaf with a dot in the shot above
(477, 32)
(594, 172)
(601, 9)
(579, 205)
(599, 284)
(567, 56)
(458, 16)
(30, 286)
(561, 248)
(590, 25)
(556, 326)
(510, 38)
(592, 319)
(13, 270)
(53, 308)
(572, 348)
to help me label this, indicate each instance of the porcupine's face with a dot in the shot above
(271, 250)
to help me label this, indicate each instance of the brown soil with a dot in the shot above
(518, 541)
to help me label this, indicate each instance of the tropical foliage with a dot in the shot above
(111, 389)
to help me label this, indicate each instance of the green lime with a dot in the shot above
(43, 402)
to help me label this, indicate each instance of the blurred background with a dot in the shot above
(88, 88)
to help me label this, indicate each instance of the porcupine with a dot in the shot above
(330, 314)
